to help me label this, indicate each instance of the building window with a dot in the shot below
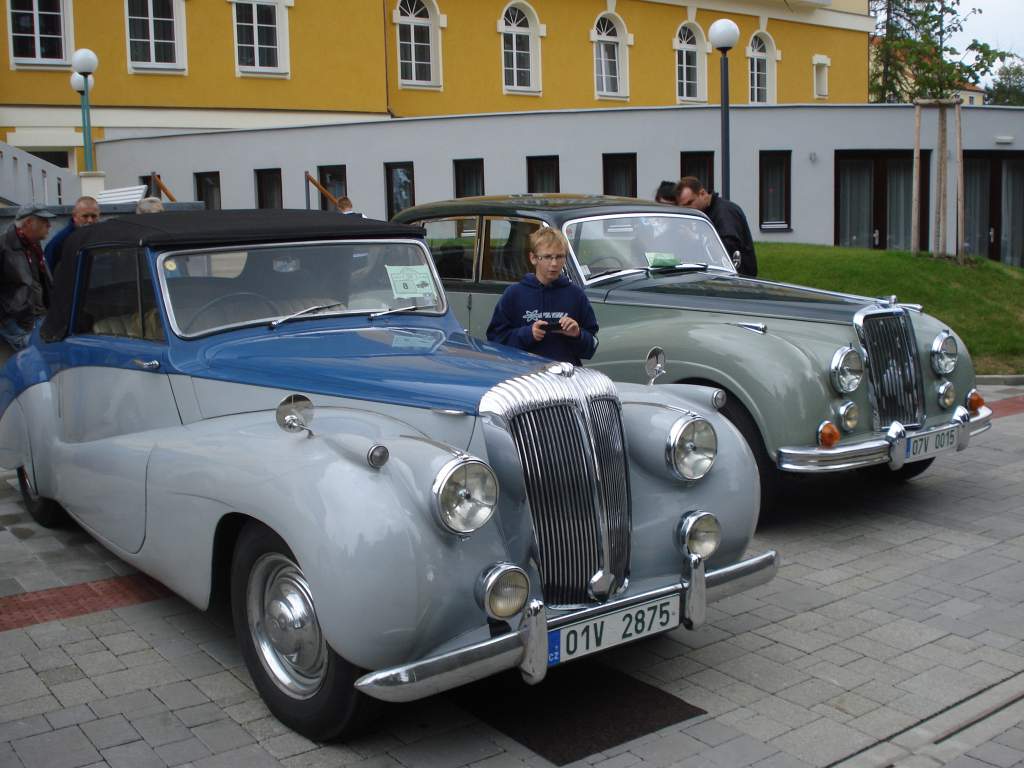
(155, 34)
(774, 198)
(762, 55)
(970, 100)
(700, 165)
(401, 187)
(419, 30)
(620, 174)
(520, 31)
(261, 37)
(208, 189)
(469, 177)
(268, 188)
(334, 179)
(542, 173)
(611, 63)
(691, 63)
(39, 32)
(821, 65)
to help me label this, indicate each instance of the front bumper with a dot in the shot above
(884, 450)
(527, 647)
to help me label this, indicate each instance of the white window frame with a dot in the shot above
(283, 68)
(770, 57)
(700, 51)
(180, 64)
(535, 31)
(622, 41)
(435, 22)
(820, 65)
(67, 39)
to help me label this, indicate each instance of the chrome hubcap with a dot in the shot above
(284, 627)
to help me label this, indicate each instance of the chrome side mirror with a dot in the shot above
(654, 366)
(295, 414)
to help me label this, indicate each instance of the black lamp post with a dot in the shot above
(723, 35)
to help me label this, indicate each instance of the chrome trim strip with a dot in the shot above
(867, 453)
(526, 647)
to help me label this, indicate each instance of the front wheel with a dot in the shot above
(305, 684)
(771, 477)
(47, 512)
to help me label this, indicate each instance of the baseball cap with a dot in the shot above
(34, 209)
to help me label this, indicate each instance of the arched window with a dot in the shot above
(762, 55)
(520, 31)
(419, 25)
(611, 64)
(691, 63)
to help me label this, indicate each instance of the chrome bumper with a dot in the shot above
(527, 647)
(889, 450)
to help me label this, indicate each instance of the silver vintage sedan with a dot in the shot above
(280, 407)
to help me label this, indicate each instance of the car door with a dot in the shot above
(113, 396)
(453, 245)
(504, 249)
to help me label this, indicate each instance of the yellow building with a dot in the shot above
(174, 65)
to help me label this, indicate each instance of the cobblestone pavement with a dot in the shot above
(893, 636)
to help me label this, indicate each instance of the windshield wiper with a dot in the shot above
(306, 311)
(687, 267)
(393, 310)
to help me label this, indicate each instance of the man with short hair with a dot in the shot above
(24, 276)
(544, 313)
(728, 219)
(86, 211)
(666, 193)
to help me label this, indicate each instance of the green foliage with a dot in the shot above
(1008, 87)
(983, 301)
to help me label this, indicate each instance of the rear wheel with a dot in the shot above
(305, 684)
(47, 512)
(771, 477)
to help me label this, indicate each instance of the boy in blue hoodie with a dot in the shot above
(544, 313)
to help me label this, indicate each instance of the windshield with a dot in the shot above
(217, 289)
(642, 241)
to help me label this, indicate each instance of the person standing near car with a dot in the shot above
(544, 313)
(86, 211)
(727, 218)
(24, 276)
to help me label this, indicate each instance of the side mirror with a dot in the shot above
(295, 414)
(654, 366)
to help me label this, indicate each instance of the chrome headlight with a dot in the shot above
(944, 353)
(699, 534)
(849, 416)
(947, 395)
(846, 370)
(465, 495)
(692, 447)
(502, 590)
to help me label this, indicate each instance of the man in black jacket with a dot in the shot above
(24, 277)
(728, 219)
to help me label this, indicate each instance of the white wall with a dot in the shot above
(25, 178)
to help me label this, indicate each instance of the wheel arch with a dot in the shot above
(225, 537)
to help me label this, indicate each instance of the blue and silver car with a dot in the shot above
(280, 407)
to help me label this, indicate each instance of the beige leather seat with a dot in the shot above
(129, 325)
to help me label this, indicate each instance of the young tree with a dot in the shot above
(1008, 87)
(889, 78)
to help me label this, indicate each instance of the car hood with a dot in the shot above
(734, 294)
(406, 366)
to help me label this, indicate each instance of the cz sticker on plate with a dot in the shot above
(586, 637)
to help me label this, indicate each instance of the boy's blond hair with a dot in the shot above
(548, 236)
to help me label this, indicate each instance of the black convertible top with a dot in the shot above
(191, 229)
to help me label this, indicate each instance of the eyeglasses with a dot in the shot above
(550, 257)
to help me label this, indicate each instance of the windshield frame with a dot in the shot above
(165, 298)
(632, 215)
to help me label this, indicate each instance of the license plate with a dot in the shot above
(926, 446)
(612, 629)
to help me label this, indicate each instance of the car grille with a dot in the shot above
(894, 371)
(567, 427)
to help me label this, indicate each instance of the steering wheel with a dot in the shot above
(238, 295)
(609, 262)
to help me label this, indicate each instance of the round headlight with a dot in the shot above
(944, 353)
(700, 534)
(849, 416)
(465, 495)
(947, 395)
(847, 370)
(503, 591)
(692, 447)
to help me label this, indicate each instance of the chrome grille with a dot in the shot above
(894, 371)
(568, 434)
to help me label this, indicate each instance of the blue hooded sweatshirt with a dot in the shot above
(528, 301)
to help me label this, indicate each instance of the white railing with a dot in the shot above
(25, 178)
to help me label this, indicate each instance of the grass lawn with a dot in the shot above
(983, 301)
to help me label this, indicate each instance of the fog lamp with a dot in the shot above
(828, 434)
(947, 395)
(699, 534)
(975, 402)
(503, 591)
(849, 416)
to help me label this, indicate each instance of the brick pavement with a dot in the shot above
(893, 636)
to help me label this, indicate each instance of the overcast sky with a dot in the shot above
(1000, 24)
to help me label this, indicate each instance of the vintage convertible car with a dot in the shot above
(454, 508)
(816, 381)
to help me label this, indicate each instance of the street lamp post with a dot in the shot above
(84, 62)
(723, 35)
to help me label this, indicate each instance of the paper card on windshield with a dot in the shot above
(410, 282)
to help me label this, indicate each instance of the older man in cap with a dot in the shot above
(24, 277)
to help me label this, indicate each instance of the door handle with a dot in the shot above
(146, 365)
(991, 234)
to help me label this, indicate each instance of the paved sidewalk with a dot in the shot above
(893, 636)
